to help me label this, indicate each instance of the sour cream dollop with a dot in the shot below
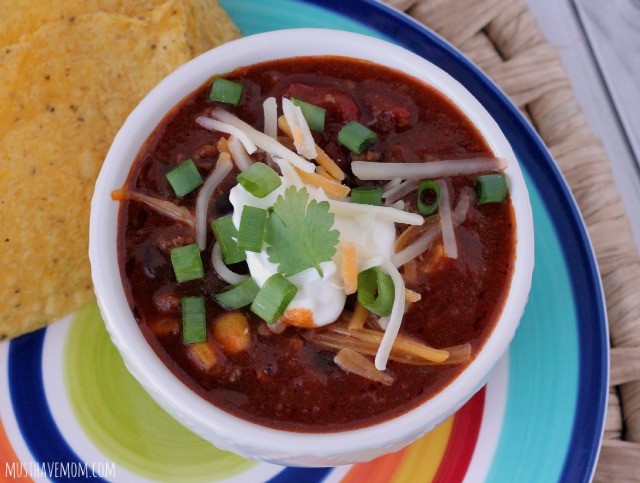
(319, 300)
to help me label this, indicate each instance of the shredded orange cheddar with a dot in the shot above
(329, 164)
(349, 268)
(284, 126)
(333, 189)
(119, 195)
(359, 317)
(411, 296)
(322, 158)
(323, 172)
(222, 146)
(297, 136)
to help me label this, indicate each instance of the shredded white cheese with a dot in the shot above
(418, 247)
(391, 184)
(367, 170)
(263, 141)
(222, 270)
(239, 154)
(446, 221)
(395, 319)
(386, 213)
(399, 192)
(289, 173)
(305, 146)
(222, 169)
(215, 125)
(270, 110)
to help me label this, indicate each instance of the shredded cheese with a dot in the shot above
(215, 125)
(329, 164)
(371, 262)
(351, 361)
(399, 192)
(270, 110)
(349, 268)
(167, 208)
(411, 296)
(367, 170)
(331, 188)
(446, 221)
(395, 319)
(322, 158)
(289, 173)
(386, 213)
(297, 136)
(222, 270)
(391, 184)
(222, 169)
(302, 137)
(359, 317)
(238, 153)
(263, 141)
(416, 248)
(323, 172)
(398, 205)
(222, 145)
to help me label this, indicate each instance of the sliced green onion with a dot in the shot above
(238, 295)
(194, 322)
(314, 115)
(184, 178)
(252, 224)
(273, 298)
(367, 195)
(226, 91)
(227, 235)
(356, 137)
(187, 264)
(376, 291)
(428, 186)
(491, 188)
(259, 180)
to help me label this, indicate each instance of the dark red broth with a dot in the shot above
(283, 381)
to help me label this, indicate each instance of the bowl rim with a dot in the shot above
(216, 425)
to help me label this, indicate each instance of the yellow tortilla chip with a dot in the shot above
(208, 22)
(65, 90)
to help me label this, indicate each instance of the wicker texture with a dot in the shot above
(503, 38)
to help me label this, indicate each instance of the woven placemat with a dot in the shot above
(503, 39)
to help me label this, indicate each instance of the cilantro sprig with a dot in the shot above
(299, 233)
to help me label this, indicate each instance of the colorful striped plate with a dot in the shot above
(70, 411)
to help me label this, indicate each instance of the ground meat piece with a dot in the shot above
(166, 303)
(167, 243)
(207, 151)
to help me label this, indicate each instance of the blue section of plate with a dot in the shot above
(40, 432)
(296, 475)
(559, 359)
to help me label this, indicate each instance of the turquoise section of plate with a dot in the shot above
(543, 368)
(543, 364)
(256, 16)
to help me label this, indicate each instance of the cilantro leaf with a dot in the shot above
(299, 233)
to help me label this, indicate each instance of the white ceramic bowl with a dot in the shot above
(222, 429)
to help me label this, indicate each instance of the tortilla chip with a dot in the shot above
(65, 91)
(208, 22)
